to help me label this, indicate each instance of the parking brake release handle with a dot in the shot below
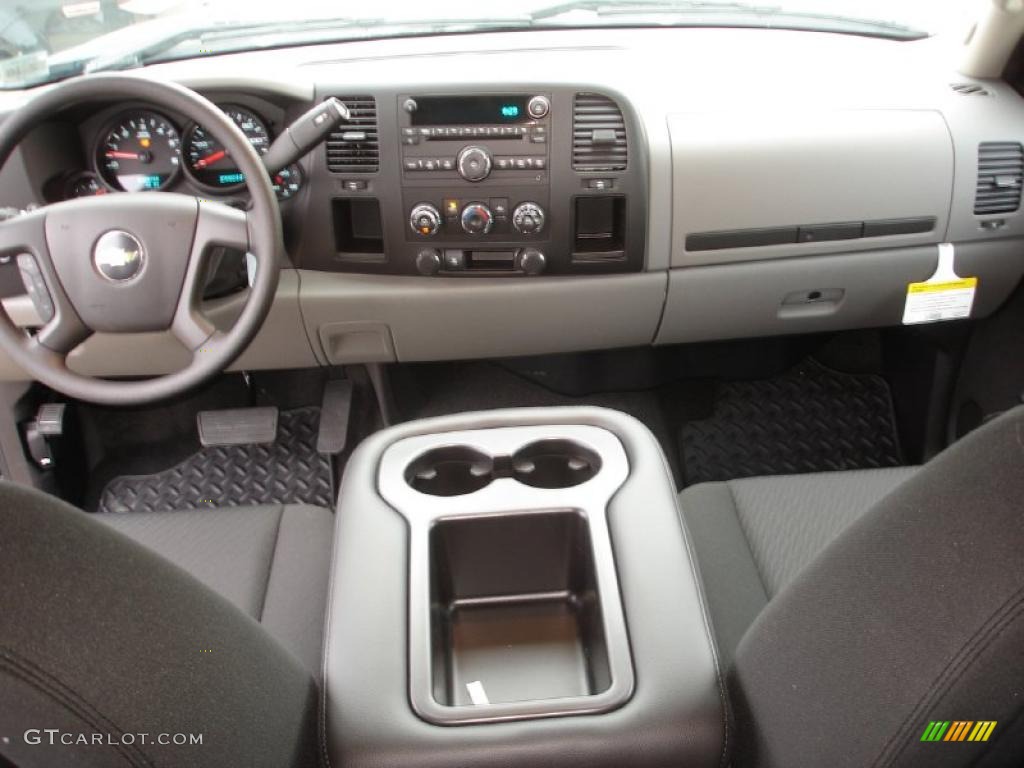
(305, 133)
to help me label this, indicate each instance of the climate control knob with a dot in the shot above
(532, 261)
(425, 219)
(528, 218)
(474, 163)
(477, 219)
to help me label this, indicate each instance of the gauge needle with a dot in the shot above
(210, 159)
(123, 155)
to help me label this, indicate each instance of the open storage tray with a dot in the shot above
(515, 609)
(516, 612)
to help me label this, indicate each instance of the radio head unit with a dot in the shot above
(494, 109)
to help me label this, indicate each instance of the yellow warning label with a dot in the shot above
(951, 285)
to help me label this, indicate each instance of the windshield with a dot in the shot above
(45, 40)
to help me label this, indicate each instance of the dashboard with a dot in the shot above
(531, 192)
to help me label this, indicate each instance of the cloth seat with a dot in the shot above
(167, 639)
(754, 536)
(859, 614)
(273, 562)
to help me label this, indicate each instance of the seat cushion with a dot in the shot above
(753, 536)
(273, 562)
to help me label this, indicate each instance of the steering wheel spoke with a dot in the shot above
(23, 237)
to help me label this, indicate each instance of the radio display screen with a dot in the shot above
(470, 110)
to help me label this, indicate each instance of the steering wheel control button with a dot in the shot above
(474, 163)
(35, 286)
(528, 218)
(477, 219)
(118, 256)
(425, 220)
(538, 107)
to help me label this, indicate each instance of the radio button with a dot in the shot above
(474, 163)
(538, 107)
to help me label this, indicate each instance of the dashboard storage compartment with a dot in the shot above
(516, 615)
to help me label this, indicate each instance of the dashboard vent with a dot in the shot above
(353, 147)
(970, 89)
(598, 134)
(1000, 175)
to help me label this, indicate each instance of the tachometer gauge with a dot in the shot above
(287, 182)
(140, 152)
(209, 163)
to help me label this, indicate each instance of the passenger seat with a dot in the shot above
(858, 612)
(754, 536)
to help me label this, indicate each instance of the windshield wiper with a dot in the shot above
(702, 13)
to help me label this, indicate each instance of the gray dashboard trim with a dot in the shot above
(433, 318)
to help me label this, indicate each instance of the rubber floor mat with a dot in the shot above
(287, 471)
(809, 419)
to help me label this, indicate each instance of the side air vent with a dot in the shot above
(970, 89)
(1000, 175)
(598, 134)
(353, 147)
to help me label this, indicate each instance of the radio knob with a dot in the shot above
(428, 261)
(528, 218)
(474, 163)
(477, 219)
(532, 261)
(538, 107)
(425, 220)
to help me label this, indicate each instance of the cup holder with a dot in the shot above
(450, 471)
(457, 470)
(555, 464)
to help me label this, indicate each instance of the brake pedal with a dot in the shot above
(237, 426)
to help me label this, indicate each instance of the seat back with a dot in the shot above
(111, 655)
(911, 619)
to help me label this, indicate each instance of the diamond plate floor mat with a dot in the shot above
(287, 471)
(809, 419)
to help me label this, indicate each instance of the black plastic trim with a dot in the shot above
(846, 230)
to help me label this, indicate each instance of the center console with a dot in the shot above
(481, 183)
(515, 588)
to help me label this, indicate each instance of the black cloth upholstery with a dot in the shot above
(914, 613)
(273, 562)
(99, 635)
(754, 536)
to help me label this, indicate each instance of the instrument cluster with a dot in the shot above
(142, 150)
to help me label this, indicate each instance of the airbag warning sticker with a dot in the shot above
(944, 296)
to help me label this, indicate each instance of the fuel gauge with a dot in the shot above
(84, 184)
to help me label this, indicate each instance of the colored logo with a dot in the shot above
(958, 730)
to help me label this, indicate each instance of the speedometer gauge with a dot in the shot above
(209, 163)
(140, 152)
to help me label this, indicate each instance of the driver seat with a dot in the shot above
(129, 628)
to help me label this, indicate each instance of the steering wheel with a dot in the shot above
(128, 263)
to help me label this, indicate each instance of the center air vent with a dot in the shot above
(598, 134)
(353, 147)
(1000, 174)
